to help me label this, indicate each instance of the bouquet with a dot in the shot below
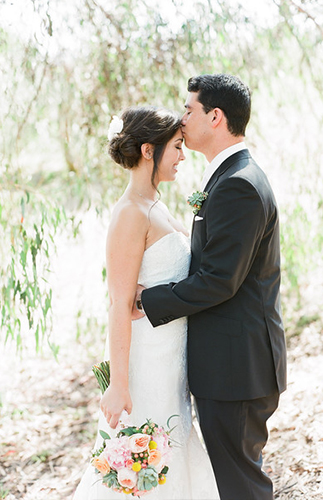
(135, 461)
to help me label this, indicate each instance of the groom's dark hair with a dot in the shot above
(226, 92)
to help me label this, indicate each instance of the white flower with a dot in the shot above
(115, 127)
(127, 478)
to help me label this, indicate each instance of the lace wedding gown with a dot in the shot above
(158, 388)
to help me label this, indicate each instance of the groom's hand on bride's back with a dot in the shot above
(137, 311)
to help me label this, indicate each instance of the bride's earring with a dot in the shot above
(147, 151)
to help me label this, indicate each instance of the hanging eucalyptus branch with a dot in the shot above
(28, 225)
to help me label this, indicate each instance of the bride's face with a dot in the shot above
(173, 154)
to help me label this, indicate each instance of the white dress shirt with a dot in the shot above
(216, 162)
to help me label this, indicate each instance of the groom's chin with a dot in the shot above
(187, 143)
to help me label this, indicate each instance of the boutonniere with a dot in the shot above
(196, 200)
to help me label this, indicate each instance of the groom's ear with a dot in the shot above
(147, 151)
(217, 116)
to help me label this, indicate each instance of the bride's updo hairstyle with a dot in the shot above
(143, 125)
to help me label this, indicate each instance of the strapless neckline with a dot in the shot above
(160, 240)
(166, 260)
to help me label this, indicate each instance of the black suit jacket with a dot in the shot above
(236, 342)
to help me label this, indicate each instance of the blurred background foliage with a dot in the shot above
(67, 67)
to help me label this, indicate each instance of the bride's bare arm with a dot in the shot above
(125, 248)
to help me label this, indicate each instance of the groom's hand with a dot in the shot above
(136, 312)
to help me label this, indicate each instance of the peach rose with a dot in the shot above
(101, 464)
(154, 457)
(139, 442)
(127, 478)
(129, 464)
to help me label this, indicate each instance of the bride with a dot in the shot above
(147, 245)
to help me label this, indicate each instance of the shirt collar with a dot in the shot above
(218, 160)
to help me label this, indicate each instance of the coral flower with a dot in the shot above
(101, 464)
(154, 457)
(139, 442)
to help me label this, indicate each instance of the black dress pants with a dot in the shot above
(235, 433)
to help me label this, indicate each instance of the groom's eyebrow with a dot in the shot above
(187, 106)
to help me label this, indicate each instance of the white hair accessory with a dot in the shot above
(115, 127)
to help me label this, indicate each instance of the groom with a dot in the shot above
(236, 343)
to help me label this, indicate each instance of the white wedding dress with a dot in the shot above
(158, 388)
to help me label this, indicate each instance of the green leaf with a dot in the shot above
(129, 431)
(172, 416)
(111, 479)
(104, 435)
(22, 204)
(37, 338)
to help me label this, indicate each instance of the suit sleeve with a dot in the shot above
(235, 223)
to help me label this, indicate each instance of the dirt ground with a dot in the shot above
(49, 409)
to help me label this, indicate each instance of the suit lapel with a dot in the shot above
(236, 157)
(233, 159)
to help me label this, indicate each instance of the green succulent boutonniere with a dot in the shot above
(196, 201)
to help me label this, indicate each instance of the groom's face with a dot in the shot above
(195, 124)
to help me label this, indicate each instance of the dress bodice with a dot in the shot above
(167, 260)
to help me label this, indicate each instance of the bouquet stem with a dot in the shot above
(102, 373)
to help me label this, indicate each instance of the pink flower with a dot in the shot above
(129, 464)
(139, 442)
(118, 452)
(127, 478)
(162, 442)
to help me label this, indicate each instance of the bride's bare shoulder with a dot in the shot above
(128, 217)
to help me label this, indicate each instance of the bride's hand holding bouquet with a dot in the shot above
(115, 399)
(115, 393)
(135, 461)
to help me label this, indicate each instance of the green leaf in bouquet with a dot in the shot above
(104, 435)
(111, 479)
(164, 471)
(128, 431)
(97, 453)
(171, 429)
(151, 426)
